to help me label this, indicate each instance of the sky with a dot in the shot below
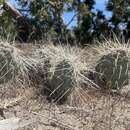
(100, 5)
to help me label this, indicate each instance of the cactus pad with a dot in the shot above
(112, 70)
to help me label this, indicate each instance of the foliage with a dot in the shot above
(47, 13)
(120, 16)
(7, 23)
(46, 17)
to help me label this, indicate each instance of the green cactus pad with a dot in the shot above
(112, 70)
(60, 82)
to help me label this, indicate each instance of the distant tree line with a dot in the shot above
(45, 17)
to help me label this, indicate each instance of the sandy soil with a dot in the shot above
(91, 110)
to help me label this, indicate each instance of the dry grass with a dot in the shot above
(107, 47)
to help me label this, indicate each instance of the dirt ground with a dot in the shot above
(84, 110)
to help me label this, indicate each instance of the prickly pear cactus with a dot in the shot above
(60, 82)
(7, 64)
(112, 70)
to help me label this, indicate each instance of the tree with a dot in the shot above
(47, 14)
(7, 23)
(45, 17)
(101, 26)
(85, 16)
(120, 19)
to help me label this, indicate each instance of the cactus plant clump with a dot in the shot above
(8, 66)
(61, 82)
(14, 66)
(112, 70)
(63, 67)
(111, 64)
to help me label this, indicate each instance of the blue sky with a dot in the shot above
(100, 4)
